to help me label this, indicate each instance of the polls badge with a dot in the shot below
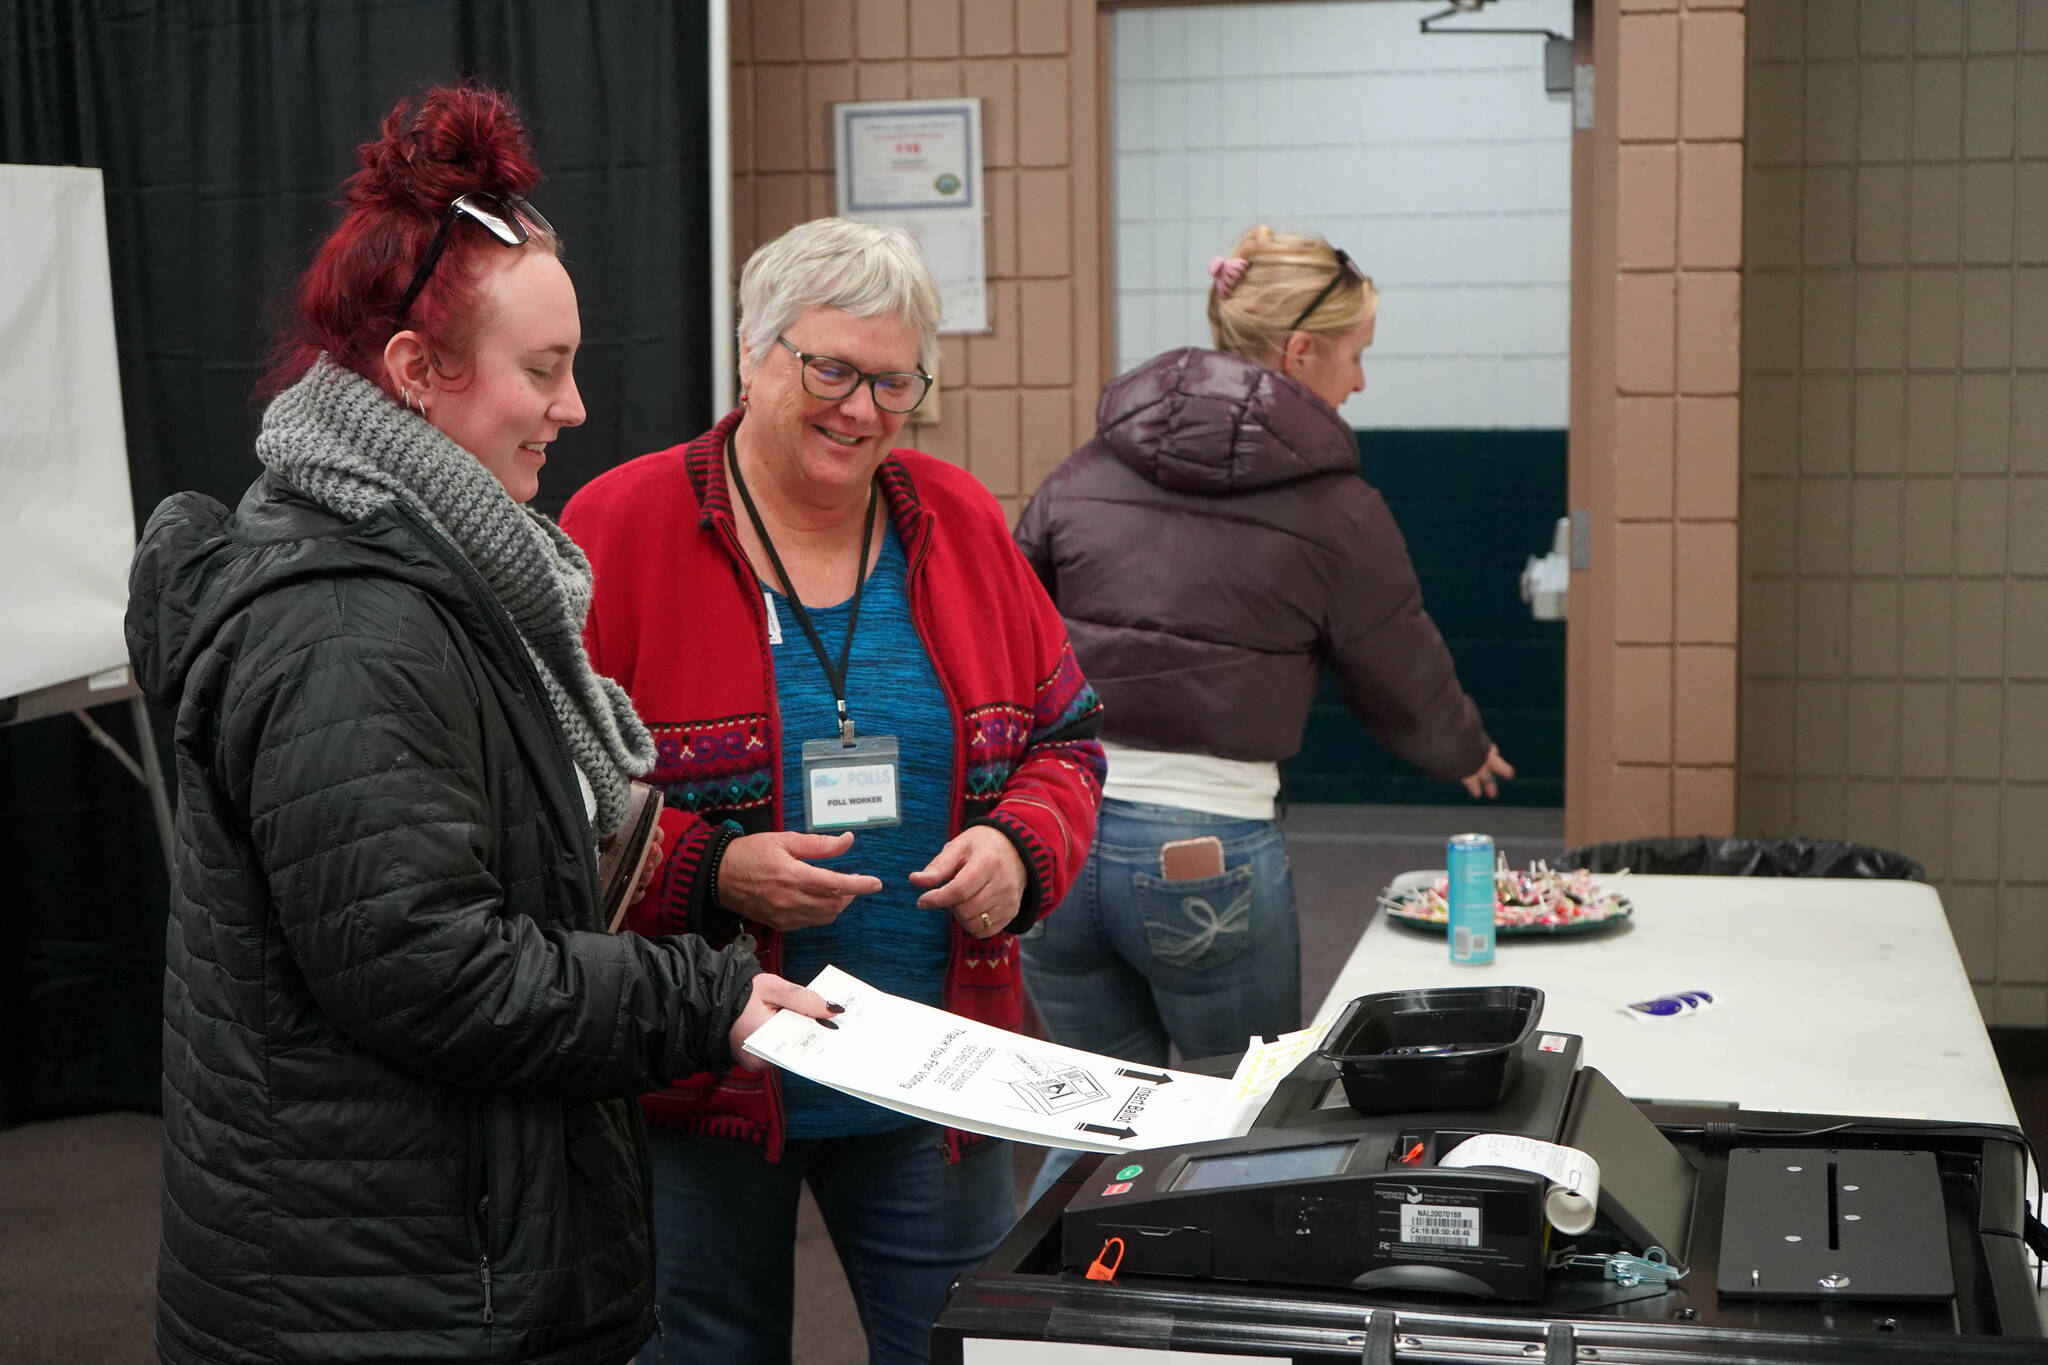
(850, 785)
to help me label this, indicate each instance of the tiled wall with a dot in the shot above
(1470, 503)
(1437, 161)
(1015, 402)
(1895, 454)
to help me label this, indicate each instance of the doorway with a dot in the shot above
(1443, 165)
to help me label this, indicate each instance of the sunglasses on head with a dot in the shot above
(1345, 266)
(506, 217)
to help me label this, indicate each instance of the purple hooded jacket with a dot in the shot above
(1213, 547)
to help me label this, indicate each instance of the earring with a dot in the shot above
(744, 394)
(418, 405)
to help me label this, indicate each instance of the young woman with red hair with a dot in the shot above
(400, 1053)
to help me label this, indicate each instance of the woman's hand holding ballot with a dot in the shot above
(769, 994)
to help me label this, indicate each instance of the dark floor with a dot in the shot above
(78, 1216)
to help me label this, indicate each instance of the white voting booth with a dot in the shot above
(69, 520)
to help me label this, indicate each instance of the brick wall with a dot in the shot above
(1656, 417)
(1015, 402)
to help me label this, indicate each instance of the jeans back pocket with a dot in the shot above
(1196, 925)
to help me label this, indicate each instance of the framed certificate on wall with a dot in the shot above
(917, 164)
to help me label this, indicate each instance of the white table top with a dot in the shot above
(1832, 997)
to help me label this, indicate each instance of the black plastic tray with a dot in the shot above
(1483, 1028)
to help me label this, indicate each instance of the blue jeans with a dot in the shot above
(904, 1222)
(1131, 963)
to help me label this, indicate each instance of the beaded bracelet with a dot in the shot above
(714, 857)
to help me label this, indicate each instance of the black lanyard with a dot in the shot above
(834, 676)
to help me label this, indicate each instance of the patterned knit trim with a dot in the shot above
(988, 954)
(684, 859)
(996, 737)
(739, 791)
(723, 764)
(1038, 858)
(906, 506)
(704, 464)
(729, 1127)
(1065, 701)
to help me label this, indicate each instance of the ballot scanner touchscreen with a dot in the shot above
(1261, 1168)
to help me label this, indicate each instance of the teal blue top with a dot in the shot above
(884, 939)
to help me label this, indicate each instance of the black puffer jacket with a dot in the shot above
(397, 1054)
(1213, 548)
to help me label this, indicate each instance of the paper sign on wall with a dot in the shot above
(916, 164)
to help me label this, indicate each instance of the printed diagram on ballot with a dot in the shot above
(938, 1066)
(1055, 1092)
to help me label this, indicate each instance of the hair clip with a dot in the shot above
(1227, 271)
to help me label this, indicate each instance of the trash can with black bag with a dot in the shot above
(1708, 856)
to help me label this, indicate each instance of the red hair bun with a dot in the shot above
(454, 140)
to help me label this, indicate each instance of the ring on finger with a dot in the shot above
(986, 923)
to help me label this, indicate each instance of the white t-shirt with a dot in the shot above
(1203, 782)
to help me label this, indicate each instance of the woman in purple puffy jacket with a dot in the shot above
(1213, 549)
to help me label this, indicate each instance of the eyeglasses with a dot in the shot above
(831, 378)
(506, 217)
(1345, 266)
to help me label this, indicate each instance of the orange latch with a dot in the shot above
(1099, 1271)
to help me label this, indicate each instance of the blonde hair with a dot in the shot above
(1284, 271)
(866, 269)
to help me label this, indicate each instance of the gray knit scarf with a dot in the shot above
(337, 438)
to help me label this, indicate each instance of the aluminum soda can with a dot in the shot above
(1469, 893)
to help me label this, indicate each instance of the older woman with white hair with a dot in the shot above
(791, 602)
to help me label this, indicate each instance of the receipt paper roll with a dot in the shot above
(1574, 1176)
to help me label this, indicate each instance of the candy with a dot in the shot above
(1541, 897)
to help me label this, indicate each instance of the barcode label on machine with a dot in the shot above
(1440, 1225)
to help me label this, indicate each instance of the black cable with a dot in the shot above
(1731, 1133)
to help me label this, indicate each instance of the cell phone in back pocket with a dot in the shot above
(1191, 860)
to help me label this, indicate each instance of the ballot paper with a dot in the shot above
(1574, 1192)
(1266, 1064)
(938, 1066)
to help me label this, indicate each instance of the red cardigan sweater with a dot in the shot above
(677, 619)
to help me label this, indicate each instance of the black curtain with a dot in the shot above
(222, 129)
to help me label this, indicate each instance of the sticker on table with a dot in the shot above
(1677, 1005)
